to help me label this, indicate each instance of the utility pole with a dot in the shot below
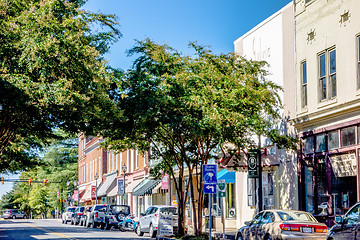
(260, 177)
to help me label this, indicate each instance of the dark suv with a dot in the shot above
(347, 227)
(13, 213)
(75, 219)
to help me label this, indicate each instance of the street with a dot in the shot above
(29, 229)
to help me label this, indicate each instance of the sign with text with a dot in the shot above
(121, 186)
(76, 195)
(221, 186)
(209, 173)
(253, 163)
(166, 225)
(93, 192)
(344, 165)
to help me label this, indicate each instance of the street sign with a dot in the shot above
(221, 187)
(120, 186)
(210, 173)
(209, 188)
(253, 163)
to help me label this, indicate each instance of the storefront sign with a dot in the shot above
(253, 164)
(344, 165)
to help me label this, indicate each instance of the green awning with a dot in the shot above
(146, 187)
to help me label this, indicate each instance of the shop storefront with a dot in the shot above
(329, 171)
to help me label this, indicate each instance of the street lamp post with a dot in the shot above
(96, 178)
(124, 168)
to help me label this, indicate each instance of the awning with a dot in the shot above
(113, 192)
(146, 187)
(108, 185)
(224, 174)
(86, 197)
(157, 188)
(129, 188)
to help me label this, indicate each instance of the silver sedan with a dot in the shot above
(282, 224)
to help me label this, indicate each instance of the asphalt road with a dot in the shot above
(30, 229)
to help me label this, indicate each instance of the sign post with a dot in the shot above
(222, 194)
(209, 176)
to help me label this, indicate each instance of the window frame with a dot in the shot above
(303, 76)
(327, 87)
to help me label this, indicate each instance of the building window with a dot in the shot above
(230, 200)
(137, 159)
(308, 145)
(333, 140)
(320, 143)
(327, 75)
(358, 60)
(304, 85)
(348, 136)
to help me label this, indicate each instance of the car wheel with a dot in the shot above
(14, 217)
(268, 237)
(24, 217)
(107, 226)
(94, 225)
(72, 222)
(239, 237)
(102, 226)
(152, 233)
(138, 231)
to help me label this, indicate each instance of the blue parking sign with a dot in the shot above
(210, 173)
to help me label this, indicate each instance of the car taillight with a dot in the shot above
(79, 213)
(96, 214)
(321, 229)
(290, 227)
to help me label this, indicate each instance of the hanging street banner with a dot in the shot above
(93, 192)
(253, 163)
(121, 186)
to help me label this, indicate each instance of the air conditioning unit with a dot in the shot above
(231, 212)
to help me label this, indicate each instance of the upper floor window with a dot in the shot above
(304, 84)
(327, 74)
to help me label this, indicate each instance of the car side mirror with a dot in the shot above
(247, 223)
(339, 219)
(142, 214)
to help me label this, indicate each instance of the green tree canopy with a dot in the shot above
(186, 107)
(52, 73)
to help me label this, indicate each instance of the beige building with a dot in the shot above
(328, 104)
(272, 41)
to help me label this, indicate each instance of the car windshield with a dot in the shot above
(71, 209)
(296, 216)
(100, 208)
(167, 210)
(120, 209)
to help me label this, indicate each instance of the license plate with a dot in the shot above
(307, 230)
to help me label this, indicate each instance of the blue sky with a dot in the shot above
(214, 23)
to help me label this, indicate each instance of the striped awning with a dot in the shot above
(146, 187)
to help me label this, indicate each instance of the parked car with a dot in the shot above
(67, 215)
(13, 213)
(96, 216)
(83, 217)
(348, 226)
(282, 224)
(75, 219)
(149, 221)
(114, 213)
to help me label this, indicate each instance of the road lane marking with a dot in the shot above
(52, 232)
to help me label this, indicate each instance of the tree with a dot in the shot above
(59, 166)
(52, 74)
(187, 108)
